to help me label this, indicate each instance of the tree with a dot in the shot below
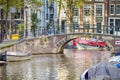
(60, 6)
(68, 5)
(34, 18)
(35, 22)
(71, 5)
(6, 4)
(37, 2)
(18, 4)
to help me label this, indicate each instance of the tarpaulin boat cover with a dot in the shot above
(104, 71)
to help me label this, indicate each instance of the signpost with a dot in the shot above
(117, 42)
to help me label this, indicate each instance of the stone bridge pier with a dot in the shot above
(43, 44)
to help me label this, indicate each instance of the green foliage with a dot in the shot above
(69, 5)
(17, 3)
(35, 20)
(11, 3)
(21, 27)
(37, 2)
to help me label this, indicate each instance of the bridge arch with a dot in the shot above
(61, 44)
(60, 49)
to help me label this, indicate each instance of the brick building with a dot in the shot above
(100, 16)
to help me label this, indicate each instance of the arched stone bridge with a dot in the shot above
(56, 43)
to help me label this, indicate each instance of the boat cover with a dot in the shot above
(104, 71)
(117, 54)
(115, 59)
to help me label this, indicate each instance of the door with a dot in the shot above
(63, 24)
(117, 25)
(99, 28)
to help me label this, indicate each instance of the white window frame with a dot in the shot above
(99, 0)
(101, 9)
(87, 19)
(110, 9)
(87, 0)
(76, 18)
(116, 9)
(87, 7)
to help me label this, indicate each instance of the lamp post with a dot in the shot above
(26, 12)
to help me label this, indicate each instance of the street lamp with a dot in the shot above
(26, 12)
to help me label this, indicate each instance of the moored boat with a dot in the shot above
(115, 59)
(15, 56)
(102, 71)
(86, 47)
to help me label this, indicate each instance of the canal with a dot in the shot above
(67, 66)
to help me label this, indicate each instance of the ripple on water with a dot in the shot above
(68, 66)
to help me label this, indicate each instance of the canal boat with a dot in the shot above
(101, 71)
(84, 75)
(117, 54)
(15, 56)
(86, 47)
(115, 59)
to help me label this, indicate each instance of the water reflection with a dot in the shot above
(68, 66)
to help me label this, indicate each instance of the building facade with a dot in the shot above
(47, 14)
(11, 25)
(48, 17)
(114, 17)
(93, 16)
(99, 16)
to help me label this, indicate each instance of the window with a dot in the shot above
(76, 12)
(87, 0)
(75, 25)
(86, 24)
(111, 9)
(75, 18)
(15, 15)
(87, 10)
(112, 0)
(99, 10)
(99, 19)
(111, 22)
(98, 0)
(117, 24)
(118, 9)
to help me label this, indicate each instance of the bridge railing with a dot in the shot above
(102, 29)
(38, 32)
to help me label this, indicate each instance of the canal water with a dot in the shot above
(67, 66)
